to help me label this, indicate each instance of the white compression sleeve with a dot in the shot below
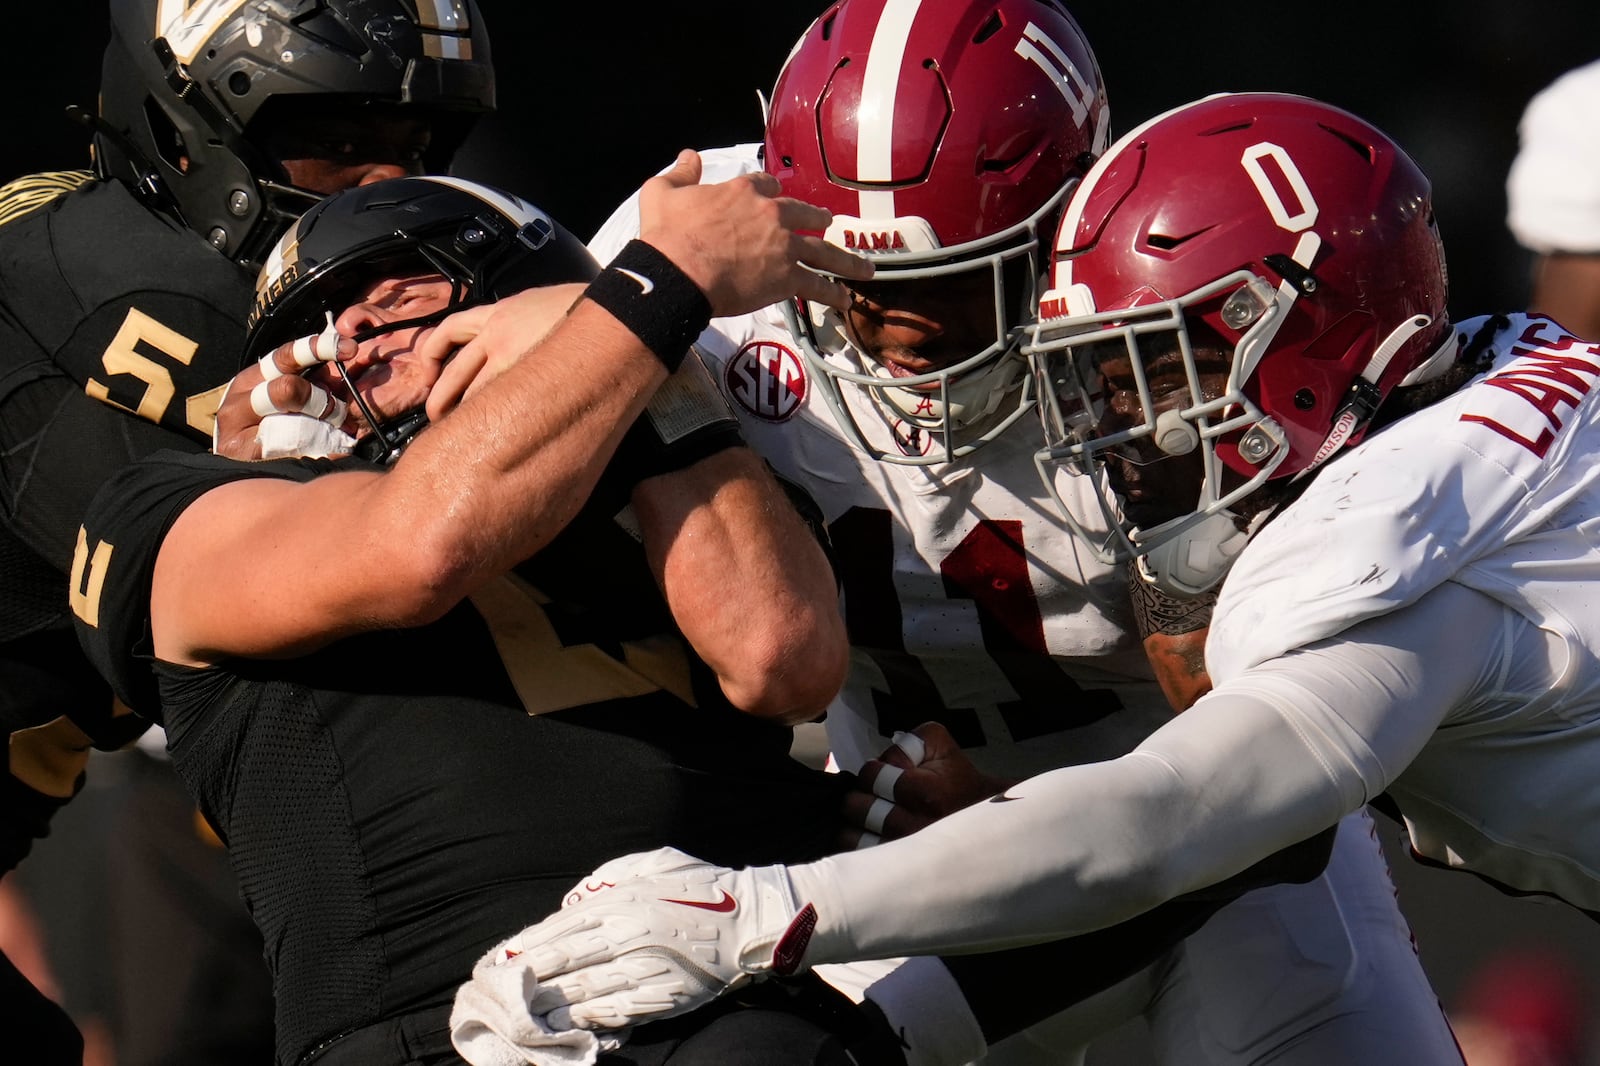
(1268, 761)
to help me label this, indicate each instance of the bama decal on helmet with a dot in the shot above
(767, 379)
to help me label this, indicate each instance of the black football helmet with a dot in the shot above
(183, 80)
(488, 243)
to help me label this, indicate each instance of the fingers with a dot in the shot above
(303, 353)
(296, 396)
(875, 811)
(871, 819)
(456, 380)
(685, 170)
(743, 243)
(880, 775)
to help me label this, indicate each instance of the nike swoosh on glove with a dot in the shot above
(657, 934)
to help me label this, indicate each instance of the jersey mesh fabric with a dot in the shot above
(391, 808)
(303, 863)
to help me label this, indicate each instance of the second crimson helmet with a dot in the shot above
(944, 137)
(1292, 237)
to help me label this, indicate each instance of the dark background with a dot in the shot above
(594, 98)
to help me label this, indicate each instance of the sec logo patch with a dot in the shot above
(767, 379)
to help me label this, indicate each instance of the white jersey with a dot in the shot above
(1496, 490)
(1421, 621)
(1553, 189)
(967, 600)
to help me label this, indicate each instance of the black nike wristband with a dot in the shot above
(645, 291)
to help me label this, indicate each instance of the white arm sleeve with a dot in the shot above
(1276, 756)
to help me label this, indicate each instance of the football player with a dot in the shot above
(1245, 332)
(413, 694)
(945, 139)
(122, 308)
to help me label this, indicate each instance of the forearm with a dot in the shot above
(1082, 848)
(494, 482)
(748, 583)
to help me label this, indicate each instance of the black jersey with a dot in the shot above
(106, 309)
(119, 329)
(392, 805)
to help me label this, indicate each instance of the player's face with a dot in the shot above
(387, 369)
(921, 325)
(1154, 486)
(339, 148)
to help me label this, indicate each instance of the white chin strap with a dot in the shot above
(1195, 560)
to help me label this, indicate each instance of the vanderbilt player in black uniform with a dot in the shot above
(123, 292)
(418, 702)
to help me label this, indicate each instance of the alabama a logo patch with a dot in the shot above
(911, 438)
(767, 379)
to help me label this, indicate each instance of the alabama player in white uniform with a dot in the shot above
(1243, 290)
(967, 602)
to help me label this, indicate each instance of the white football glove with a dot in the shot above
(657, 934)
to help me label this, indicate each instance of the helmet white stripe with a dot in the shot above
(1077, 94)
(875, 133)
(513, 207)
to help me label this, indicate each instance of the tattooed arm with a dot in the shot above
(1174, 633)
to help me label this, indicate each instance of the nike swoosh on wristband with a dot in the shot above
(725, 905)
(646, 286)
(1003, 798)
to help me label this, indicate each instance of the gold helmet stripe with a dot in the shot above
(189, 24)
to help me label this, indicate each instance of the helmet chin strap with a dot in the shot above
(1195, 560)
(388, 439)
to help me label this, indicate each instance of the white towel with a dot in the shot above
(491, 1024)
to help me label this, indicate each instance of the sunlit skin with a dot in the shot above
(391, 371)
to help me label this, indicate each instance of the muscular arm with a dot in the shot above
(1268, 760)
(264, 568)
(260, 568)
(747, 583)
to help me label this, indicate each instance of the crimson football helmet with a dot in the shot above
(185, 87)
(944, 138)
(1289, 238)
